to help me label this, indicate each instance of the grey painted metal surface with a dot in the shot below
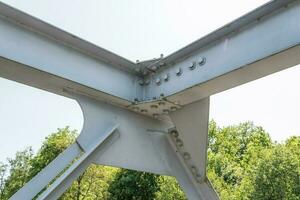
(262, 38)
(161, 106)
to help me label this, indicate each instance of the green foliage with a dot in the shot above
(169, 189)
(19, 172)
(278, 174)
(53, 145)
(3, 169)
(243, 163)
(129, 184)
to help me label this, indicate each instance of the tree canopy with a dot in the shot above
(243, 163)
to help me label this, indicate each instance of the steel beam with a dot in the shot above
(38, 54)
(174, 91)
(255, 45)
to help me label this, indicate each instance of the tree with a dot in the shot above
(92, 184)
(19, 172)
(169, 189)
(129, 184)
(3, 169)
(278, 174)
(232, 155)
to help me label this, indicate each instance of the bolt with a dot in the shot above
(178, 71)
(162, 94)
(147, 81)
(161, 103)
(202, 61)
(173, 108)
(186, 156)
(144, 111)
(158, 81)
(198, 177)
(194, 169)
(141, 82)
(155, 115)
(166, 77)
(174, 133)
(179, 142)
(154, 106)
(145, 72)
(154, 68)
(193, 66)
(166, 111)
(136, 108)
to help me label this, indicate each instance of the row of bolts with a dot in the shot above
(186, 156)
(178, 72)
(154, 106)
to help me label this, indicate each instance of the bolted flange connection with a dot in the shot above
(185, 156)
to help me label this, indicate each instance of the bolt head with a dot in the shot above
(155, 115)
(144, 111)
(194, 169)
(154, 68)
(186, 156)
(158, 81)
(174, 133)
(147, 81)
(192, 66)
(166, 111)
(202, 61)
(173, 108)
(161, 103)
(179, 142)
(179, 71)
(154, 106)
(166, 77)
(136, 108)
(141, 82)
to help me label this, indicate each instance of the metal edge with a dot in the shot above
(36, 25)
(231, 27)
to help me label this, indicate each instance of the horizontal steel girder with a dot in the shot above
(260, 43)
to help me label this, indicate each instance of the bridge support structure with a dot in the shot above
(148, 116)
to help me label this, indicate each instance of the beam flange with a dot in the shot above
(259, 36)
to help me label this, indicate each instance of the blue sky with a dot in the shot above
(138, 29)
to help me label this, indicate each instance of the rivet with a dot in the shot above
(192, 66)
(194, 169)
(153, 98)
(166, 111)
(144, 111)
(198, 176)
(186, 156)
(173, 108)
(145, 72)
(136, 100)
(179, 142)
(162, 94)
(153, 106)
(178, 71)
(161, 103)
(174, 133)
(136, 108)
(154, 68)
(155, 115)
(202, 61)
(147, 81)
(158, 81)
(141, 82)
(166, 77)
